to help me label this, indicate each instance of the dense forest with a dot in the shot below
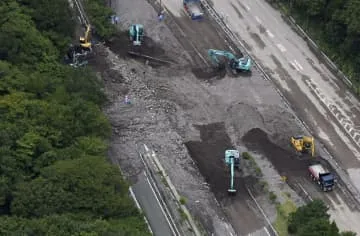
(335, 26)
(54, 176)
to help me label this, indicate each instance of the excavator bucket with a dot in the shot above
(231, 191)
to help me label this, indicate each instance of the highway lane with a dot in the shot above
(293, 76)
(150, 204)
(317, 96)
(321, 100)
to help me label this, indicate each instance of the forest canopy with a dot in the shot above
(54, 176)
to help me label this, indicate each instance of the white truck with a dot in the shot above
(322, 177)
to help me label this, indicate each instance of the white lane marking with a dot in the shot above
(146, 148)
(347, 124)
(306, 193)
(270, 34)
(298, 64)
(139, 207)
(281, 47)
(295, 66)
(262, 211)
(247, 7)
(158, 201)
(267, 231)
(258, 20)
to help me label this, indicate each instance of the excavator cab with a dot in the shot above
(85, 41)
(241, 64)
(303, 144)
(136, 33)
(238, 64)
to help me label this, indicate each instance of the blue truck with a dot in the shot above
(322, 177)
(193, 9)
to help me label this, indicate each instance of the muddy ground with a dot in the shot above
(190, 114)
(292, 165)
(171, 108)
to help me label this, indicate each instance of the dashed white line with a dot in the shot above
(281, 47)
(262, 212)
(298, 64)
(139, 207)
(159, 203)
(295, 66)
(267, 231)
(270, 34)
(258, 20)
(247, 7)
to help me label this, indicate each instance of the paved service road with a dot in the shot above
(148, 200)
(318, 97)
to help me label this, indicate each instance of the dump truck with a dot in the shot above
(322, 177)
(193, 9)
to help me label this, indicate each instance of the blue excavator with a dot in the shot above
(242, 64)
(232, 160)
(136, 33)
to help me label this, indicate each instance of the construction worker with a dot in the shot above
(127, 100)
(161, 15)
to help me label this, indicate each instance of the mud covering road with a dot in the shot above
(295, 167)
(209, 157)
(180, 110)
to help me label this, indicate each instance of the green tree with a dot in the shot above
(89, 185)
(20, 42)
(54, 178)
(313, 220)
(99, 16)
(54, 18)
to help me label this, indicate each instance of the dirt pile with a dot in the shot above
(121, 45)
(286, 162)
(209, 156)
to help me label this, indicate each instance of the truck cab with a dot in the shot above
(327, 181)
(192, 7)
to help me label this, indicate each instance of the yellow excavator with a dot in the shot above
(85, 41)
(303, 144)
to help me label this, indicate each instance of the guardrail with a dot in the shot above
(335, 70)
(315, 48)
(156, 164)
(83, 18)
(236, 40)
(154, 184)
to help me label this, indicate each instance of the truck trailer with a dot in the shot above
(322, 177)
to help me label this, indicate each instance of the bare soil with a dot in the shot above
(121, 45)
(285, 162)
(209, 157)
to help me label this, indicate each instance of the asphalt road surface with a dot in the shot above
(148, 200)
(314, 93)
(318, 97)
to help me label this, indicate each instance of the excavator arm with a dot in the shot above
(214, 54)
(85, 41)
(232, 167)
(237, 64)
